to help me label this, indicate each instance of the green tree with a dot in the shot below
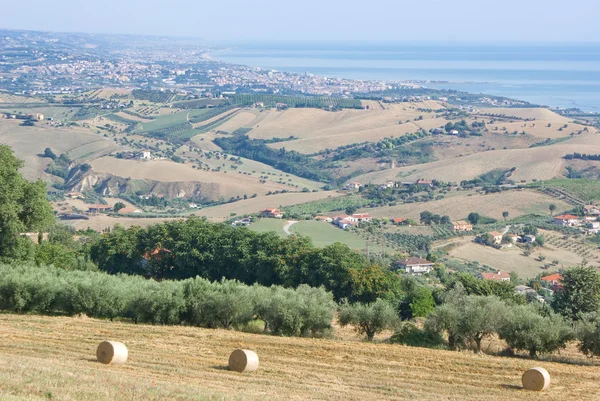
(474, 218)
(526, 329)
(468, 320)
(368, 319)
(552, 208)
(504, 216)
(580, 293)
(49, 153)
(118, 206)
(588, 334)
(23, 206)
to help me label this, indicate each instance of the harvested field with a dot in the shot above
(54, 357)
(100, 222)
(540, 163)
(458, 205)
(318, 129)
(27, 142)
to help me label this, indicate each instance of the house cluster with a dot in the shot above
(588, 223)
(245, 222)
(140, 155)
(496, 238)
(344, 221)
(462, 225)
(392, 184)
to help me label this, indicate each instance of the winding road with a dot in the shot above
(287, 226)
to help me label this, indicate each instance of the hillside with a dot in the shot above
(542, 163)
(54, 358)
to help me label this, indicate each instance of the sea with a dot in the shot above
(554, 75)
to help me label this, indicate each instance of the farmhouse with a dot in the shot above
(424, 183)
(553, 280)
(461, 225)
(353, 185)
(326, 219)
(514, 238)
(498, 276)
(99, 208)
(345, 223)
(529, 239)
(496, 237)
(145, 155)
(271, 213)
(566, 220)
(415, 265)
(399, 221)
(358, 217)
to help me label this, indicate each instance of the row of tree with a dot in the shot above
(304, 311)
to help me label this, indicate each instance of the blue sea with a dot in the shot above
(556, 75)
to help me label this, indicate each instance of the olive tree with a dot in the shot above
(368, 319)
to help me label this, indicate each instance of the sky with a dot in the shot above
(316, 20)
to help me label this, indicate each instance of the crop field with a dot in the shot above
(45, 358)
(513, 260)
(254, 205)
(541, 163)
(458, 205)
(27, 142)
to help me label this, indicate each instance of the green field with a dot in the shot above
(585, 189)
(267, 225)
(321, 233)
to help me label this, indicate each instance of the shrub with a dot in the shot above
(409, 334)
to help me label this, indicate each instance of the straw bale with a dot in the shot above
(536, 379)
(243, 360)
(112, 352)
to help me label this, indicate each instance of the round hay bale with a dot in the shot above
(536, 379)
(243, 360)
(112, 352)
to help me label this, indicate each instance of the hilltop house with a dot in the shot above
(271, 213)
(461, 225)
(498, 276)
(566, 220)
(414, 265)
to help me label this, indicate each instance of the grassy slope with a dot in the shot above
(54, 358)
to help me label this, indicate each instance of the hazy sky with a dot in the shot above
(460, 20)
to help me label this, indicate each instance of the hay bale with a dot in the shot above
(243, 360)
(112, 352)
(536, 379)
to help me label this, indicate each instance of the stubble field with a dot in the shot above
(45, 358)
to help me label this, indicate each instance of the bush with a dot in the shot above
(588, 334)
(409, 334)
